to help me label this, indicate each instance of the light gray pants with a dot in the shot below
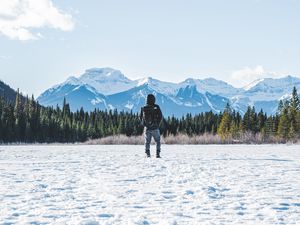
(148, 135)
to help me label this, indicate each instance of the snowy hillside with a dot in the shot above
(265, 93)
(270, 89)
(213, 86)
(118, 185)
(76, 92)
(106, 88)
(166, 88)
(106, 80)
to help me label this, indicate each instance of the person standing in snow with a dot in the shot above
(151, 117)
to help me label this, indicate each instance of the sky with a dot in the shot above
(43, 42)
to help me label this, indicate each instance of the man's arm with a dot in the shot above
(141, 115)
(159, 114)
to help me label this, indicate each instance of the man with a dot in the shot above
(151, 117)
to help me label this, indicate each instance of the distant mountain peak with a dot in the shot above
(211, 79)
(252, 84)
(265, 83)
(214, 81)
(145, 80)
(103, 74)
(189, 80)
(100, 70)
(290, 78)
(73, 81)
(104, 80)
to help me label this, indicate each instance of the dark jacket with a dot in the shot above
(156, 113)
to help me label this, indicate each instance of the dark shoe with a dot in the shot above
(158, 155)
(148, 155)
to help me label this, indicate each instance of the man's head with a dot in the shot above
(150, 99)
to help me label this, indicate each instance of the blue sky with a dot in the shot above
(234, 40)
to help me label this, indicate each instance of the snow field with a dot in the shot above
(210, 184)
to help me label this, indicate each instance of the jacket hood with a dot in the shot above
(150, 99)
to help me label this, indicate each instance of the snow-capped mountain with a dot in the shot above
(106, 88)
(76, 93)
(213, 86)
(162, 87)
(265, 93)
(268, 88)
(106, 80)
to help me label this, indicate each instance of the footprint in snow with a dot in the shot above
(189, 192)
(143, 222)
(282, 207)
(216, 193)
(105, 215)
(89, 223)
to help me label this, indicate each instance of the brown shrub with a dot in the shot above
(183, 139)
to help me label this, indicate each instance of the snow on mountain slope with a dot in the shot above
(240, 103)
(189, 96)
(252, 84)
(61, 89)
(269, 89)
(265, 94)
(106, 80)
(163, 87)
(213, 86)
(76, 93)
(106, 88)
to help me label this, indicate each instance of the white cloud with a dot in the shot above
(247, 75)
(19, 19)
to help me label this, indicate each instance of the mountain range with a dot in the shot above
(107, 88)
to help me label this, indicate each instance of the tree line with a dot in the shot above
(25, 120)
(285, 124)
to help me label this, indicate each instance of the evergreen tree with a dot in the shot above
(224, 127)
(295, 103)
(283, 127)
(294, 107)
(298, 124)
(270, 127)
(292, 132)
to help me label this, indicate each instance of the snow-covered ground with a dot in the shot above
(71, 184)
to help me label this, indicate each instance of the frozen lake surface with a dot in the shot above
(210, 184)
